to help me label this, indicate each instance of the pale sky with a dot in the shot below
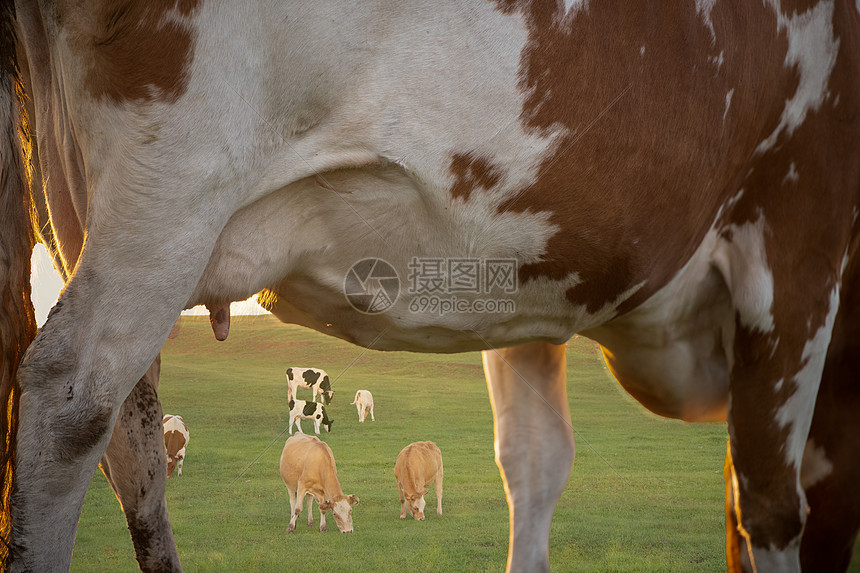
(47, 284)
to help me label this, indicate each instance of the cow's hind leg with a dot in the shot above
(534, 443)
(830, 473)
(135, 465)
(310, 502)
(295, 509)
(782, 331)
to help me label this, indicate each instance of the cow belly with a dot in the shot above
(301, 241)
(670, 353)
(674, 381)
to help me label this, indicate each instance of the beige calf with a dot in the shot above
(418, 465)
(308, 468)
(363, 403)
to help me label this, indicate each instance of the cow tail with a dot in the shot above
(17, 320)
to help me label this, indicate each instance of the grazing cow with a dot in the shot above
(308, 469)
(418, 465)
(304, 410)
(679, 181)
(363, 403)
(313, 379)
(176, 438)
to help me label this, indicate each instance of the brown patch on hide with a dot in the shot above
(472, 173)
(141, 51)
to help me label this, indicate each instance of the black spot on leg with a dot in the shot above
(150, 556)
(77, 432)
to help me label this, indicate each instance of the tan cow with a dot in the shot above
(176, 437)
(363, 403)
(418, 465)
(308, 468)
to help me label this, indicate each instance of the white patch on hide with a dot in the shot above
(797, 410)
(814, 466)
(729, 95)
(574, 6)
(792, 176)
(812, 49)
(742, 260)
(703, 9)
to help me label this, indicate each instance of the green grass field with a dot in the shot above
(646, 494)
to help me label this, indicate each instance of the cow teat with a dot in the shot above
(219, 317)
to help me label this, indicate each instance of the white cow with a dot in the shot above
(676, 180)
(363, 403)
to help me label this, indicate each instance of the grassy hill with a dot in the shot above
(646, 493)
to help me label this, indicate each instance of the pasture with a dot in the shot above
(646, 494)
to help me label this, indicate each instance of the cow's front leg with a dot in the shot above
(135, 465)
(438, 487)
(102, 336)
(402, 501)
(322, 516)
(534, 443)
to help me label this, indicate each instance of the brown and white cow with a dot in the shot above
(176, 438)
(679, 181)
(364, 404)
(418, 465)
(314, 379)
(308, 469)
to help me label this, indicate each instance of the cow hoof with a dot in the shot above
(323, 528)
(402, 517)
(290, 529)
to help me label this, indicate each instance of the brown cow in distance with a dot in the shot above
(418, 465)
(176, 436)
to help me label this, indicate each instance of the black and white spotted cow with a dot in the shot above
(313, 379)
(304, 410)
